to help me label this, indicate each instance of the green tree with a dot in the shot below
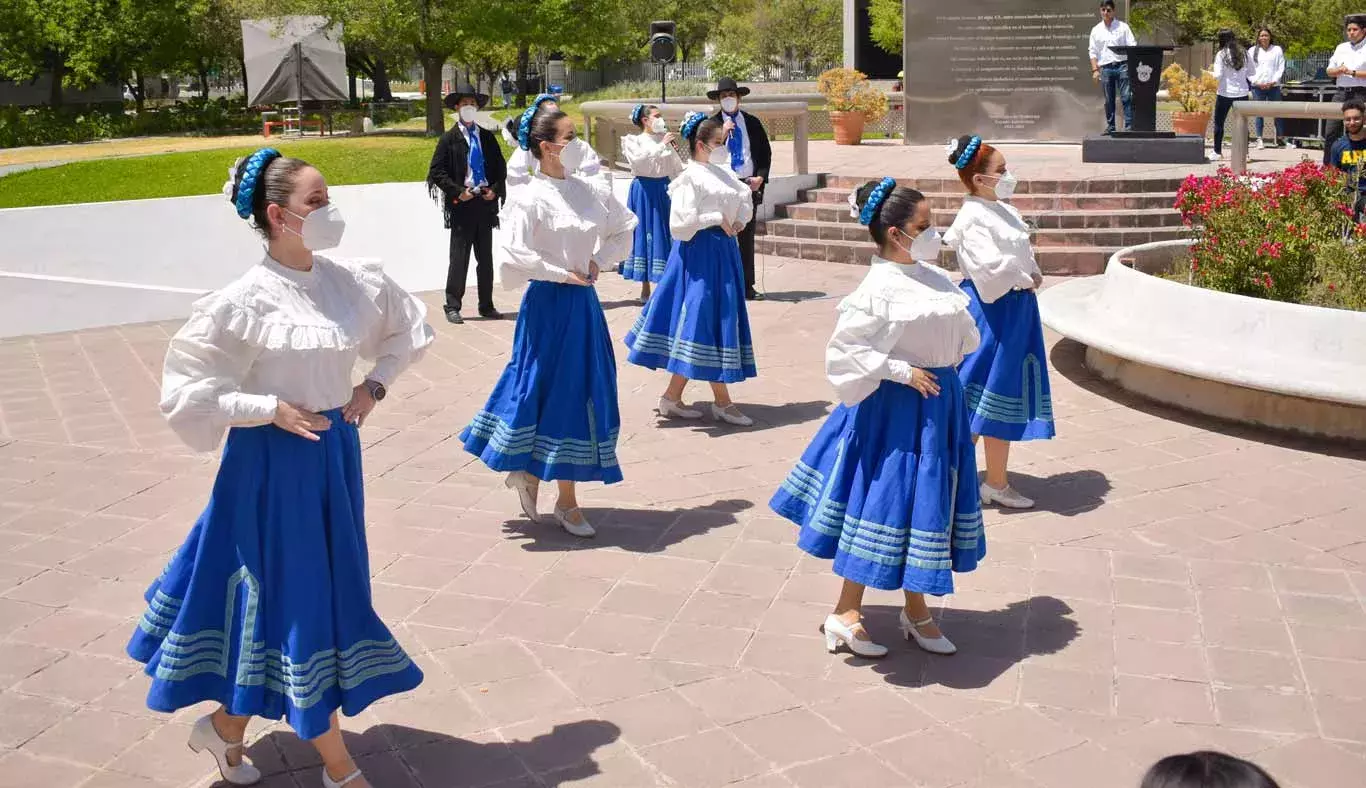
(71, 39)
(1302, 26)
(887, 29)
(768, 32)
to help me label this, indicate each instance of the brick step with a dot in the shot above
(1023, 202)
(1094, 237)
(1077, 219)
(1031, 186)
(1054, 260)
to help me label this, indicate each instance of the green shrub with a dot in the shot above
(640, 90)
(737, 67)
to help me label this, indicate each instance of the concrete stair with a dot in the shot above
(1080, 223)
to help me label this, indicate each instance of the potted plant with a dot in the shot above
(852, 102)
(1194, 94)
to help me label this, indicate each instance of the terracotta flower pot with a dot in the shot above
(848, 127)
(1190, 122)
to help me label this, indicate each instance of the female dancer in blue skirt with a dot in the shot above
(553, 413)
(1007, 378)
(266, 607)
(696, 325)
(654, 160)
(888, 486)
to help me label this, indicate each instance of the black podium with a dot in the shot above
(1143, 143)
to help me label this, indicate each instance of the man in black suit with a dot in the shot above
(751, 157)
(468, 175)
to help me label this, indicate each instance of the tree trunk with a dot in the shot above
(523, 60)
(381, 79)
(242, 63)
(204, 78)
(58, 68)
(431, 72)
(351, 86)
(139, 90)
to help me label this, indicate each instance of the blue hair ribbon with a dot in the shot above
(524, 125)
(969, 150)
(875, 200)
(636, 112)
(690, 123)
(251, 175)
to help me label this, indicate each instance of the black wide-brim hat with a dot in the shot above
(453, 99)
(726, 84)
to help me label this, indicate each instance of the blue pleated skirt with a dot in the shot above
(888, 489)
(266, 607)
(649, 201)
(553, 412)
(696, 324)
(1006, 378)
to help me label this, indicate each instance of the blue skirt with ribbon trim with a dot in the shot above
(696, 324)
(553, 413)
(649, 201)
(888, 489)
(266, 606)
(1006, 378)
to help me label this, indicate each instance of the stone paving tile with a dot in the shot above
(1184, 584)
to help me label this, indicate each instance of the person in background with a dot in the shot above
(469, 177)
(1206, 769)
(505, 87)
(1231, 69)
(1348, 67)
(887, 488)
(1268, 68)
(654, 160)
(1006, 377)
(1348, 153)
(751, 157)
(1110, 68)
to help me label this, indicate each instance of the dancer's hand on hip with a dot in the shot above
(924, 382)
(291, 418)
(358, 409)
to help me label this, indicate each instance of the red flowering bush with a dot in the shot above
(1264, 235)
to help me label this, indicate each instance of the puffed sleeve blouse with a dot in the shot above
(899, 318)
(650, 157)
(991, 240)
(706, 195)
(282, 334)
(555, 226)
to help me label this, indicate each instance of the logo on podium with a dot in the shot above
(1144, 72)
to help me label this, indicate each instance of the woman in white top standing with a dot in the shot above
(553, 413)
(1231, 68)
(654, 161)
(1006, 378)
(696, 325)
(1268, 68)
(266, 607)
(887, 488)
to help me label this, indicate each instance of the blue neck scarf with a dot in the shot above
(736, 143)
(476, 156)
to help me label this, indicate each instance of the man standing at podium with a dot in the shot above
(1110, 68)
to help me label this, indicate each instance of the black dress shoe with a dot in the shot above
(754, 295)
(453, 316)
(491, 314)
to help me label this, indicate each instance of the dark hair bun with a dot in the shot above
(863, 193)
(959, 145)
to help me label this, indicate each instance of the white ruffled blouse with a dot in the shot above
(650, 157)
(706, 195)
(282, 334)
(991, 240)
(523, 167)
(554, 226)
(899, 318)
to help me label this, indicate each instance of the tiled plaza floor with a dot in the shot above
(1183, 585)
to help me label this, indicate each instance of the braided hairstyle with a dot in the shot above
(698, 128)
(261, 179)
(892, 206)
(970, 156)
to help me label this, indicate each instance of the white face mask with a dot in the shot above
(730, 104)
(573, 154)
(322, 229)
(926, 246)
(468, 113)
(719, 156)
(1005, 185)
(658, 126)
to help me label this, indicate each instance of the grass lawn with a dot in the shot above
(376, 159)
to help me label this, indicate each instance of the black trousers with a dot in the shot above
(746, 239)
(471, 234)
(1333, 129)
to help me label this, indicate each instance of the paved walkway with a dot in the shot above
(1182, 585)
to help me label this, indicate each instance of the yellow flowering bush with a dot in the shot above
(1194, 94)
(848, 90)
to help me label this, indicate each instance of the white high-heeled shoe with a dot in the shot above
(668, 407)
(731, 415)
(1006, 497)
(204, 737)
(910, 630)
(582, 529)
(837, 632)
(526, 489)
(328, 782)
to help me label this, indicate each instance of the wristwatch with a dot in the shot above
(376, 389)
